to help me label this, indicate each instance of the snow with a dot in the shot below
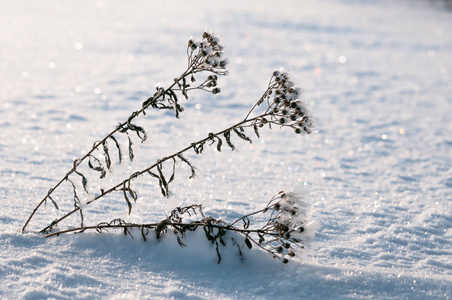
(376, 75)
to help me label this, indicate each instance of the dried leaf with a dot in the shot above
(117, 146)
(130, 149)
(129, 204)
(106, 154)
(163, 181)
(193, 170)
(141, 133)
(241, 135)
(248, 243)
(162, 189)
(174, 169)
(220, 142)
(256, 131)
(227, 136)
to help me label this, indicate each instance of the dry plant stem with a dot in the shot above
(154, 226)
(116, 187)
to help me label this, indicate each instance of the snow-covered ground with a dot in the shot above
(378, 174)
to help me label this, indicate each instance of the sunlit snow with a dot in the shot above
(377, 174)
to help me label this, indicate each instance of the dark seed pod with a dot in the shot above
(293, 117)
(216, 91)
(300, 229)
(285, 261)
(297, 130)
(291, 253)
(279, 249)
(286, 245)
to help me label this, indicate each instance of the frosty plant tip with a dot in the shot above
(280, 106)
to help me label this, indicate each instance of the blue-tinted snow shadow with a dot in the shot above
(73, 262)
(255, 274)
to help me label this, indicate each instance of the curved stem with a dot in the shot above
(154, 225)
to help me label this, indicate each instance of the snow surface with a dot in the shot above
(377, 75)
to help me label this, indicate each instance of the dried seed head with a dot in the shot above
(297, 130)
(223, 63)
(279, 249)
(192, 44)
(276, 73)
(277, 100)
(212, 77)
(282, 121)
(285, 112)
(285, 261)
(291, 253)
(300, 229)
(286, 245)
(293, 117)
(216, 91)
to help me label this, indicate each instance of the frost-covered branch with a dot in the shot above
(287, 227)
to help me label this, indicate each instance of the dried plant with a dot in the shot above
(287, 227)
(280, 106)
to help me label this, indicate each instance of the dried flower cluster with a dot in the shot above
(207, 54)
(284, 106)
